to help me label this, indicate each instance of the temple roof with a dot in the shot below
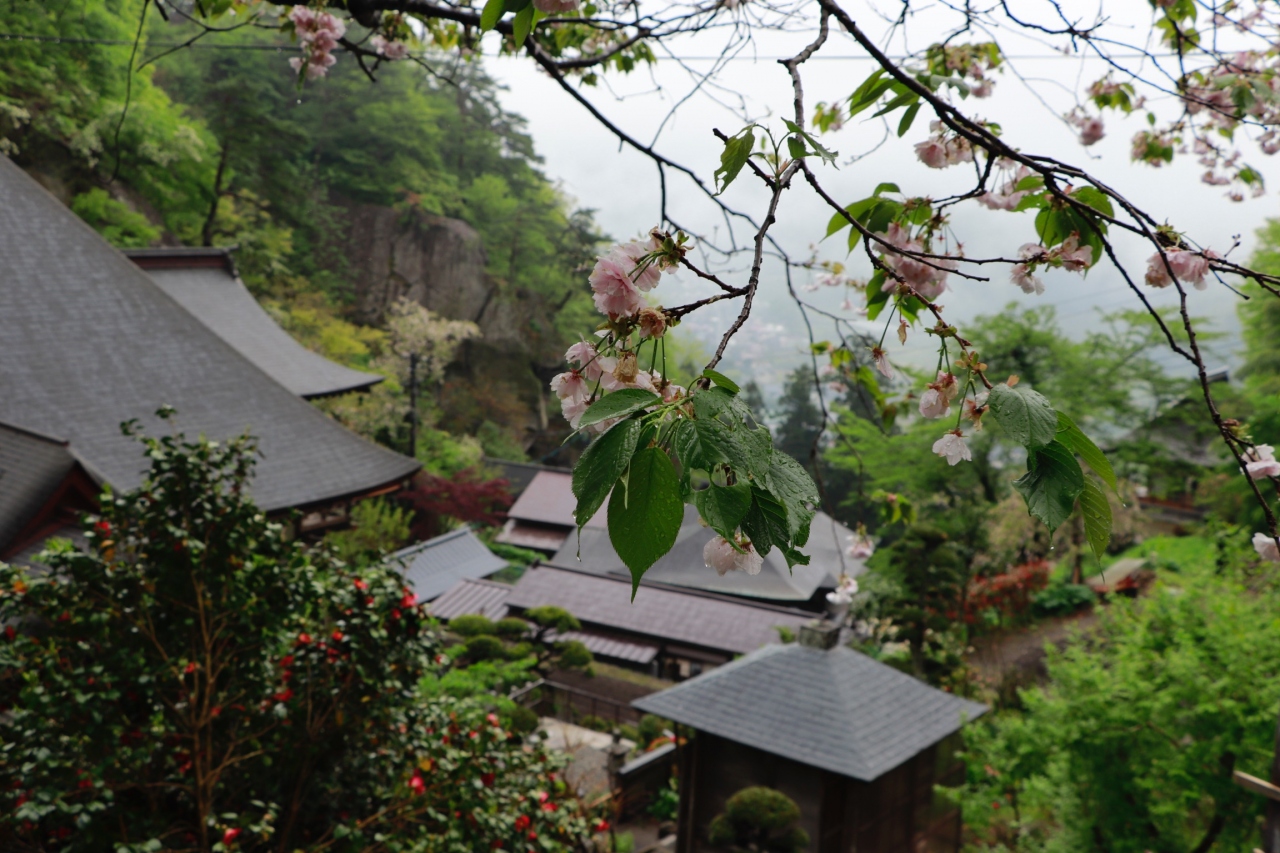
(204, 282)
(90, 341)
(835, 709)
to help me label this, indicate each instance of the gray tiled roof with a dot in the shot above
(435, 566)
(89, 341)
(661, 613)
(838, 710)
(217, 298)
(683, 564)
(487, 598)
(32, 466)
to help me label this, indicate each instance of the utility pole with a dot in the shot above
(413, 404)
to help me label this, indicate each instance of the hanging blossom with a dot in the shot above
(936, 399)
(1190, 267)
(860, 545)
(1266, 547)
(1008, 197)
(943, 149)
(388, 48)
(952, 448)
(846, 589)
(318, 33)
(720, 555)
(927, 277)
(1260, 462)
(1090, 127)
(1069, 255)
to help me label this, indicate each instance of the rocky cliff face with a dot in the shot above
(440, 263)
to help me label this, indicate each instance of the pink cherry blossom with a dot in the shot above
(718, 554)
(631, 255)
(389, 49)
(1266, 547)
(1022, 276)
(974, 408)
(573, 410)
(947, 384)
(583, 354)
(860, 548)
(1091, 130)
(672, 392)
(614, 292)
(1074, 256)
(933, 153)
(1260, 462)
(952, 448)
(1190, 268)
(570, 385)
(318, 33)
(933, 404)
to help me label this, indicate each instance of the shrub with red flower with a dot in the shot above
(243, 692)
(1009, 594)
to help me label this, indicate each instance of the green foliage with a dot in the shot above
(377, 527)
(194, 673)
(511, 628)
(1062, 598)
(553, 618)
(115, 220)
(472, 625)
(760, 819)
(666, 802)
(650, 728)
(1132, 743)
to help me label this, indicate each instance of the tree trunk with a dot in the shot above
(206, 233)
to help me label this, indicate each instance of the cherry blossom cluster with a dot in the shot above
(971, 61)
(1068, 255)
(1008, 197)
(318, 33)
(842, 595)
(1090, 127)
(722, 555)
(943, 149)
(936, 402)
(927, 277)
(860, 546)
(389, 48)
(1189, 267)
(1259, 464)
(619, 280)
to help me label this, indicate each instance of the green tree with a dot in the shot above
(758, 819)
(193, 681)
(800, 419)
(1132, 743)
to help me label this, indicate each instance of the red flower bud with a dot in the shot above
(304, 639)
(602, 826)
(9, 633)
(337, 636)
(190, 668)
(103, 527)
(416, 784)
(486, 779)
(231, 835)
(410, 599)
(361, 585)
(522, 823)
(287, 660)
(493, 719)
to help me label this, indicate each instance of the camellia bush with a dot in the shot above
(191, 680)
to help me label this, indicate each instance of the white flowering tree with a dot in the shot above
(1216, 62)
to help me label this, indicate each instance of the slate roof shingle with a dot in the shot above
(663, 613)
(217, 298)
(487, 598)
(435, 566)
(838, 710)
(90, 341)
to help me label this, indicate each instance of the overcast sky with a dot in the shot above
(621, 184)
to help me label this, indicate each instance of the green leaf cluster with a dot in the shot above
(705, 450)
